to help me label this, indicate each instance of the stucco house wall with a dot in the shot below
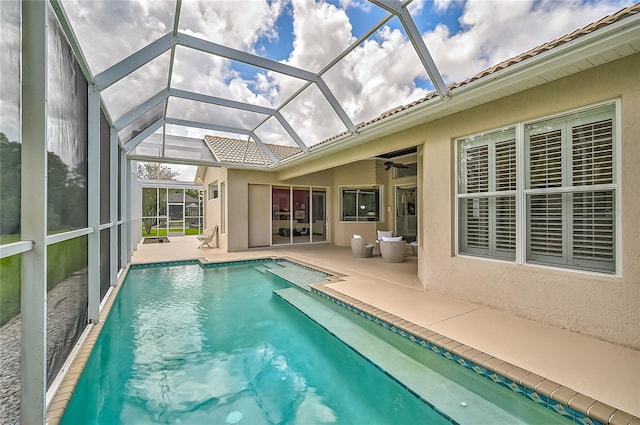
(604, 306)
(237, 182)
(213, 207)
(600, 305)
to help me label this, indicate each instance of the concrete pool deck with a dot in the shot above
(603, 371)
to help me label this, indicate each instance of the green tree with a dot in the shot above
(9, 186)
(155, 171)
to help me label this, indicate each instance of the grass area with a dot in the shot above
(7, 239)
(10, 268)
(63, 259)
(163, 232)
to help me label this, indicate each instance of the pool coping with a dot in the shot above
(558, 398)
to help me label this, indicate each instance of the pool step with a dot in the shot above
(298, 276)
(261, 268)
(454, 400)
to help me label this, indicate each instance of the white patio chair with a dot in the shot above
(393, 250)
(209, 239)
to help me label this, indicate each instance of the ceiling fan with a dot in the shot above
(390, 164)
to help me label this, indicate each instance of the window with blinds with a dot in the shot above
(486, 195)
(570, 191)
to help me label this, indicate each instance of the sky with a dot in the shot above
(464, 37)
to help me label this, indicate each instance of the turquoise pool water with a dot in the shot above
(188, 345)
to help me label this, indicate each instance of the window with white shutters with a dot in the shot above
(568, 193)
(486, 195)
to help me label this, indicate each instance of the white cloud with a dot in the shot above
(109, 31)
(232, 23)
(493, 32)
(321, 32)
(378, 75)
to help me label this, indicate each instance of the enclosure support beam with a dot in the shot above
(33, 349)
(93, 207)
(114, 160)
(126, 204)
(399, 9)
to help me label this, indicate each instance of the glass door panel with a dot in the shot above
(301, 215)
(163, 222)
(193, 211)
(176, 219)
(149, 211)
(281, 215)
(176, 212)
(318, 215)
(406, 218)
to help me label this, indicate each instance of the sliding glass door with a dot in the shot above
(298, 215)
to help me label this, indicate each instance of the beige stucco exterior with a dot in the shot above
(365, 172)
(604, 306)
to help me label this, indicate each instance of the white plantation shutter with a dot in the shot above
(477, 176)
(568, 196)
(573, 224)
(505, 165)
(593, 230)
(592, 159)
(545, 225)
(505, 233)
(477, 219)
(488, 222)
(545, 160)
(505, 206)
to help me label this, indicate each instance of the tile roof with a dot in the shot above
(606, 21)
(246, 152)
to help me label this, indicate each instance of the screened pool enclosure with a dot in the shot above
(84, 97)
(91, 88)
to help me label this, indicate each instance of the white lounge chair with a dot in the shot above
(209, 239)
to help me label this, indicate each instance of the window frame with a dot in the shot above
(490, 195)
(214, 190)
(573, 118)
(344, 188)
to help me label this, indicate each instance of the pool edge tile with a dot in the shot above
(519, 380)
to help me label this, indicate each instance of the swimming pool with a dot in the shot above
(190, 345)
(237, 343)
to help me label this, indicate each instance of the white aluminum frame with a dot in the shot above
(33, 347)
